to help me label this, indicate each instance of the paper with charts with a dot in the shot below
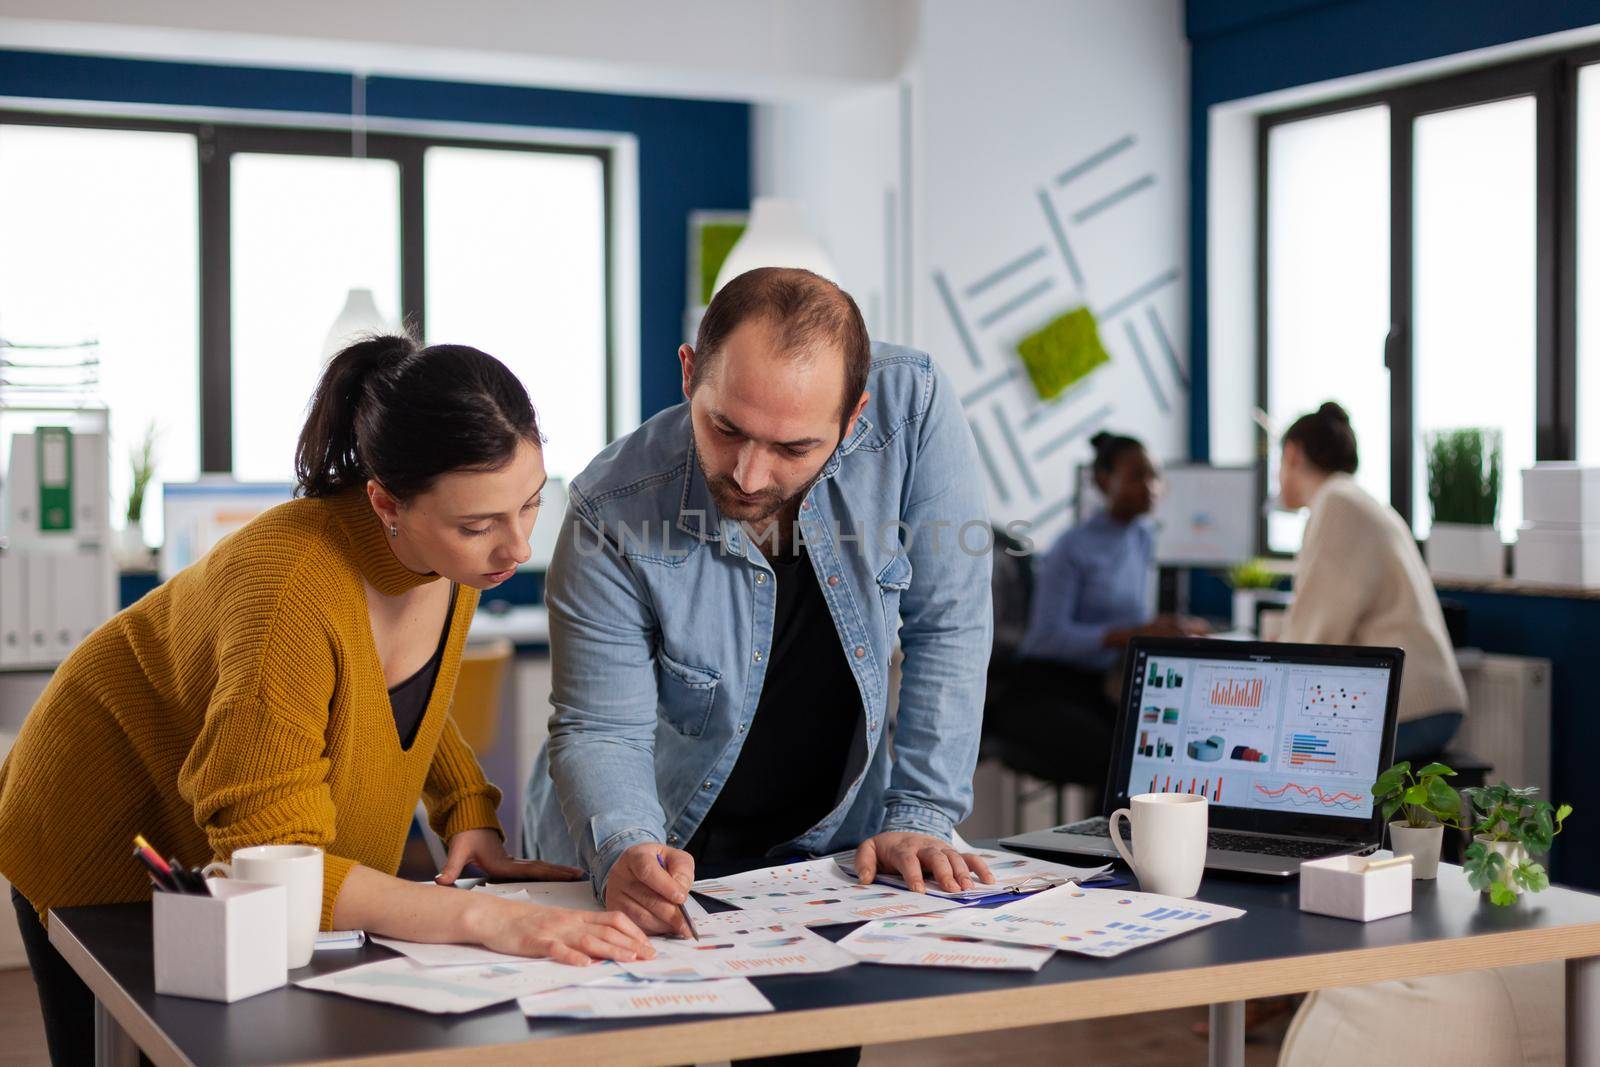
(741, 944)
(917, 942)
(817, 893)
(576, 895)
(446, 990)
(1091, 922)
(636, 998)
(1012, 874)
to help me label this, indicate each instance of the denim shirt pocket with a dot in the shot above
(685, 694)
(894, 579)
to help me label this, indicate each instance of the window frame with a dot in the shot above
(218, 142)
(1551, 79)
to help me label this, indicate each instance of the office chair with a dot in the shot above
(1012, 592)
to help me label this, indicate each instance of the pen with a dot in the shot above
(1394, 861)
(688, 922)
(160, 874)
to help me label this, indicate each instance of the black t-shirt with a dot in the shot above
(790, 772)
(409, 699)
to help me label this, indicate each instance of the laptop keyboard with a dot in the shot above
(1219, 840)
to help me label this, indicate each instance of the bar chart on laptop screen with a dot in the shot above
(1328, 744)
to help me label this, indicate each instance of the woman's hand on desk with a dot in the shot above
(484, 849)
(561, 934)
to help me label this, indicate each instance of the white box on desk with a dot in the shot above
(1558, 555)
(1340, 886)
(227, 946)
(1565, 493)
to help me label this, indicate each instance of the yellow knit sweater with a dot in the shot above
(241, 703)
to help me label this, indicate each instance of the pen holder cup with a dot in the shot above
(227, 946)
(1339, 886)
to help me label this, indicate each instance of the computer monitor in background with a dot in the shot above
(552, 513)
(1206, 516)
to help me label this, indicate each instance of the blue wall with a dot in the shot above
(692, 154)
(1241, 48)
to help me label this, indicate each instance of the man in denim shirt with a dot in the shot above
(724, 599)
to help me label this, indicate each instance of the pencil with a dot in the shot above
(687, 922)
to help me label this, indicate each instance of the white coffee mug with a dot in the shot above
(1170, 832)
(298, 868)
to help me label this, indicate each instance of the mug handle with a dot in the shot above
(1123, 848)
(212, 869)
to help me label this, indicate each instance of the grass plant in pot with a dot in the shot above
(1464, 495)
(1428, 804)
(1512, 828)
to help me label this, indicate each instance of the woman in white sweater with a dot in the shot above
(1361, 581)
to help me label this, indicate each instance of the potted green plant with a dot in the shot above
(142, 460)
(1253, 582)
(1512, 827)
(1429, 804)
(1464, 495)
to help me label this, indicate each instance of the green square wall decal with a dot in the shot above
(1062, 352)
(716, 241)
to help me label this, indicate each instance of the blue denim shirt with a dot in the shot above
(661, 613)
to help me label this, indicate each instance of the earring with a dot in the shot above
(394, 531)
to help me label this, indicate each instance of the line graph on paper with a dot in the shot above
(1329, 798)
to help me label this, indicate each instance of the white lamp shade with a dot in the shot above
(360, 315)
(776, 236)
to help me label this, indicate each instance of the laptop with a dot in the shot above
(1284, 740)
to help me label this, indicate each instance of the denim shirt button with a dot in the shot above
(833, 579)
(758, 655)
(805, 506)
(705, 785)
(761, 577)
(672, 839)
(860, 651)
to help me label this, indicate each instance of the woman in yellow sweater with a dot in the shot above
(294, 685)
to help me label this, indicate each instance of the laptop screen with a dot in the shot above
(1257, 728)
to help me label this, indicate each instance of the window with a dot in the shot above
(1328, 261)
(211, 262)
(1587, 281)
(98, 228)
(305, 231)
(516, 266)
(1474, 265)
(1416, 249)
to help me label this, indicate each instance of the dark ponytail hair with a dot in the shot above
(1326, 438)
(1109, 448)
(389, 409)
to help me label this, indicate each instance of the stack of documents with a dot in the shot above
(769, 935)
(1089, 922)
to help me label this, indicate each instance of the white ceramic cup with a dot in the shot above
(298, 868)
(1170, 831)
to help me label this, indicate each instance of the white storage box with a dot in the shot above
(1341, 886)
(227, 946)
(1553, 555)
(1563, 493)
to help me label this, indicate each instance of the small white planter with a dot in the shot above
(1461, 551)
(1422, 843)
(1513, 852)
(1246, 600)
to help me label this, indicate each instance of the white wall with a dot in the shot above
(841, 160)
(1007, 102)
(996, 103)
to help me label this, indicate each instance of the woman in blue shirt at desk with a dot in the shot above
(1091, 595)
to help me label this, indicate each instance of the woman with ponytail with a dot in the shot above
(1360, 580)
(294, 686)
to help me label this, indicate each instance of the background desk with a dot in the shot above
(1272, 950)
